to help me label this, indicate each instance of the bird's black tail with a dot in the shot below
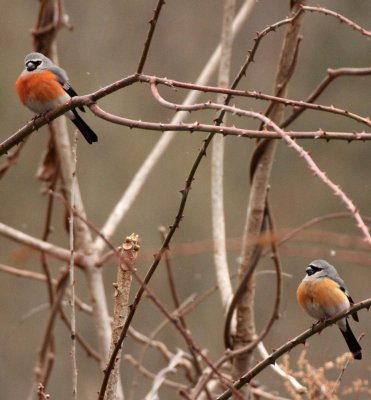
(352, 342)
(84, 128)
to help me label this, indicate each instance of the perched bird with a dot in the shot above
(43, 86)
(322, 294)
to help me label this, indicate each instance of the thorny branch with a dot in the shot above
(89, 100)
(151, 31)
(120, 84)
(291, 143)
(340, 17)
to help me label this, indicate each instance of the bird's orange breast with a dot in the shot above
(322, 296)
(41, 86)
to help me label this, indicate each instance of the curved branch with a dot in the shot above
(300, 339)
(343, 19)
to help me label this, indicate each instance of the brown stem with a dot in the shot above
(147, 44)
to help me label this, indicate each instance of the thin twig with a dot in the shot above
(90, 351)
(24, 273)
(146, 373)
(161, 347)
(242, 285)
(71, 268)
(62, 285)
(332, 74)
(39, 245)
(49, 282)
(150, 341)
(12, 158)
(174, 294)
(170, 275)
(257, 95)
(159, 378)
(340, 17)
(147, 44)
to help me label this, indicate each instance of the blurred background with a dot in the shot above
(105, 45)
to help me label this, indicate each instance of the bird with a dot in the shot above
(323, 294)
(43, 86)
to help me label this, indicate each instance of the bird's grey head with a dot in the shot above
(321, 268)
(34, 61)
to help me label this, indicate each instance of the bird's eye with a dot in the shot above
(312, 269)
(32, 65)
(309, 271)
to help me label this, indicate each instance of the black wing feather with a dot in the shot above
(68, 89)
(344, 289)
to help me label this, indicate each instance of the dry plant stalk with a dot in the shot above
(323, 380)
(258, 193)
(128, 252)
(217, 166)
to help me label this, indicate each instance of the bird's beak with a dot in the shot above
(30, 66)
(309, 270)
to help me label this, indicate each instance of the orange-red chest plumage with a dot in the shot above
(322, 298)
(41, 87)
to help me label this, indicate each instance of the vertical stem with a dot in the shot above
(72, 271)
(128, 254)
(84, 242)
(217, 165)
(257, 198)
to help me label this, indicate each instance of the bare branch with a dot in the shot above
(71, 267)
(151, 375)
(147, 44)
(217, 167)
(159, 378)
(340, 17)
(41, 369)
(39, 245)
(332, 74)
(177, 304)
